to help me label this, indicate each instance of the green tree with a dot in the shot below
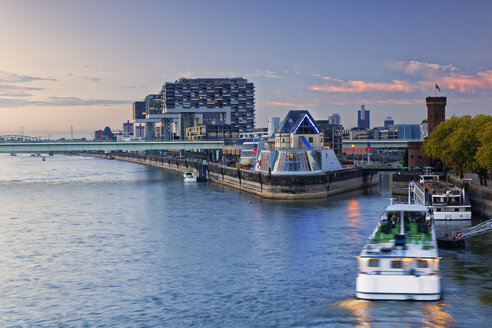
(463, 143)
(438, 144)
(484, 152)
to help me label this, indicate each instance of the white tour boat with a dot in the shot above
(189, 176)
(447, 202)
(400, 261)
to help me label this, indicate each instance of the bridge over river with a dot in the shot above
(67, 146)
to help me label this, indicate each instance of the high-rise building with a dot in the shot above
(389, 121)
(138, 110)
(334, 119)
(436, 112)
(153, 104)
(363, 118)
(273, 124)
(211, 99)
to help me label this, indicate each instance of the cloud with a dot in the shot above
(288, 104)
(418, 68)
(62, 102)
(187, 75)
(362, 86)
(17, 87)
(467, 83)
(19, 78)
(11, 90)
(449, 79)
(86, 78)
(74, 101)
(266, 73)
(327, 78)
(132, 87)
(97, 69)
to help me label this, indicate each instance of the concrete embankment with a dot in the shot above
(266, 185)
(480, 197)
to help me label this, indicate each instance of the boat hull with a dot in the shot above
(398, 287)
(449, 216)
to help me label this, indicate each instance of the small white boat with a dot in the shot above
(400, 261)
(189, 176)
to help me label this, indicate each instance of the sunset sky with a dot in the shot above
(83, 63)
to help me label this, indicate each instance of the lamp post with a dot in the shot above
(353, 152)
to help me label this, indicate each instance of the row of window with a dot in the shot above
(397, 264)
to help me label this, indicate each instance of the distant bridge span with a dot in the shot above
(36, 147)
(17, 137)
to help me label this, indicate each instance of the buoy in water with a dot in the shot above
(208, 190)
(249, 202)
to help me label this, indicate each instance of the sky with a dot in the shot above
(81, 64)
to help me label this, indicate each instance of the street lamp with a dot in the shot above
(353, 152)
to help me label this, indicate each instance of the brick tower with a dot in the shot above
(436, 112)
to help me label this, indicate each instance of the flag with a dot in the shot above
(437, 88)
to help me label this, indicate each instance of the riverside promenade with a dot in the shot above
(273, 186)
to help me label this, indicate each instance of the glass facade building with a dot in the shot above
(363, 118)
(138, 110)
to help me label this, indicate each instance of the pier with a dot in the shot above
(292, 186)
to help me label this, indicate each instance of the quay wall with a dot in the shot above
(302, 186)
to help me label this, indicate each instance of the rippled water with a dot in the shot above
(92, 242)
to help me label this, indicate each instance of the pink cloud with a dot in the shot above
(288, 104)
(471, 83)
(362, 86)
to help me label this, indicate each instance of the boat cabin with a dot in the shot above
(402, 243)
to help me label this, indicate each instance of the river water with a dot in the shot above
(92, 242)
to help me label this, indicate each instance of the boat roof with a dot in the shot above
(406, 208)
(410, 251)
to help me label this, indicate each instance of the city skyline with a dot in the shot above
(83, 64)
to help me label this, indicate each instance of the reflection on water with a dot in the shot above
(358, 309)
(396, 313)
(353, 213)
(436, 316)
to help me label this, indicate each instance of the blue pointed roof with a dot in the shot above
(294, 118)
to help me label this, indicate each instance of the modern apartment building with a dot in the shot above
(212, 100)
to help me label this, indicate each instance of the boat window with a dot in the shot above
(422, 264)
(373, 263)
(397, 264)
(438, 210)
